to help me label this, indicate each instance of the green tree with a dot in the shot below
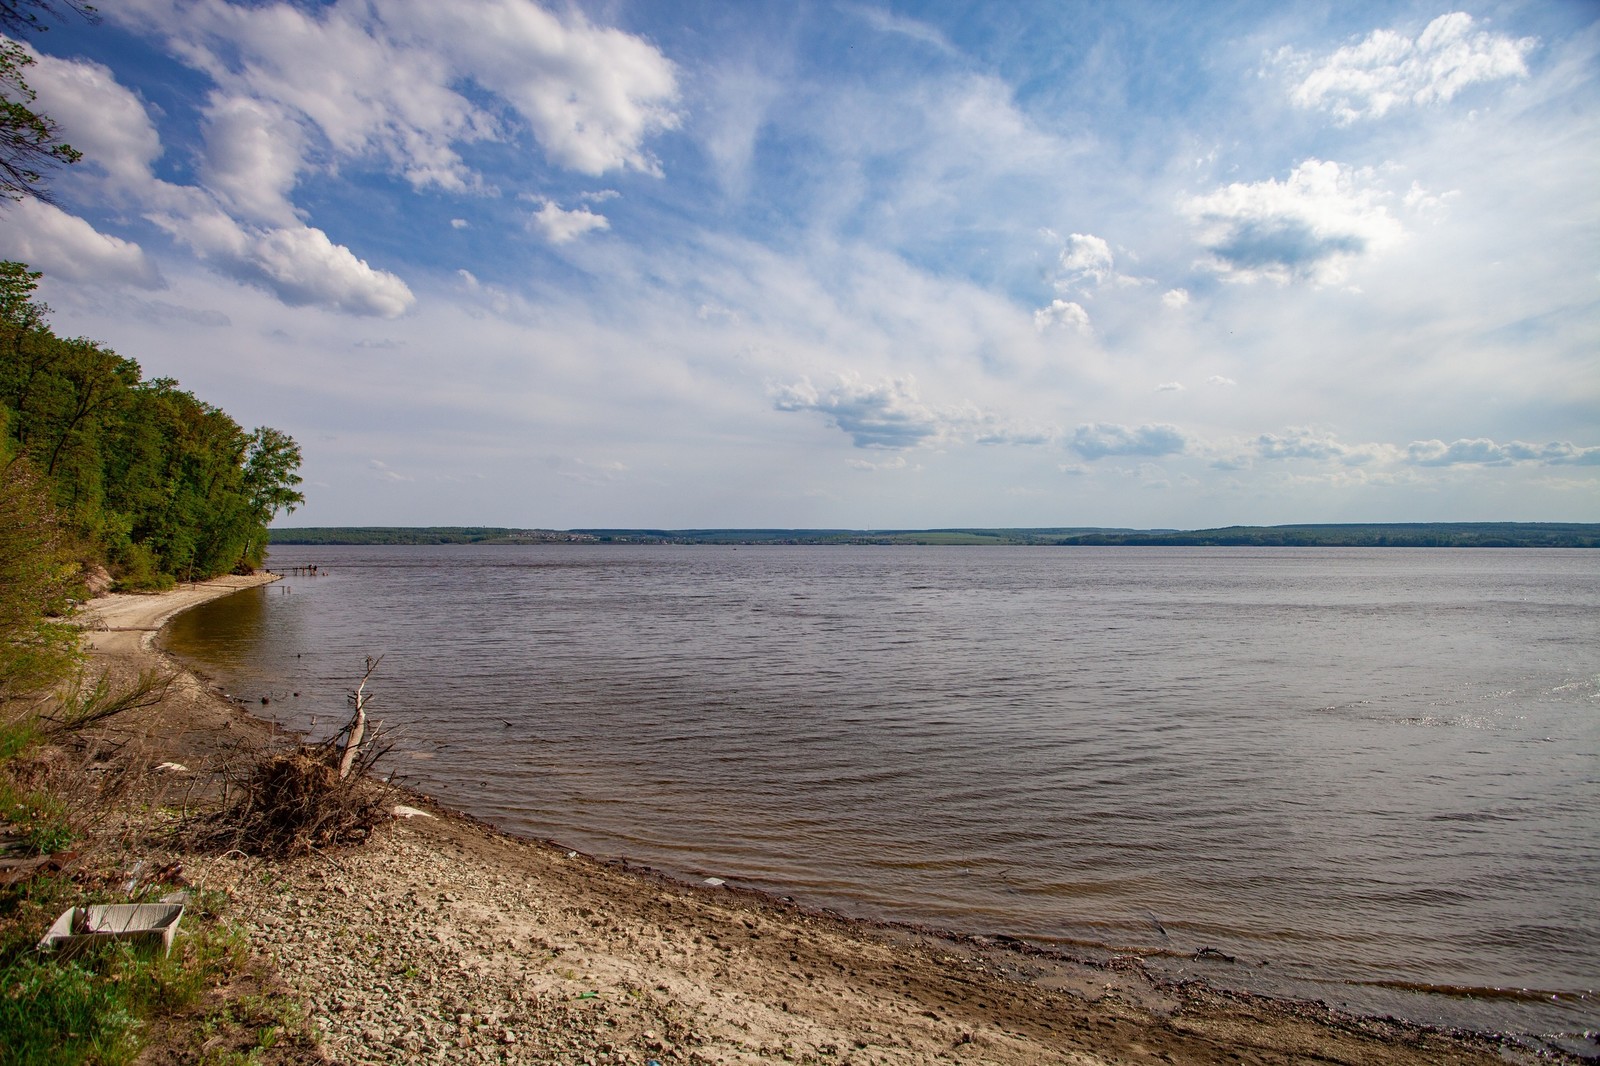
(30, 143)
(37, 646)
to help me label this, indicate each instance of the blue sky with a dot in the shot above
(862, 265)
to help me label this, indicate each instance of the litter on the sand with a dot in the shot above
(402, 811)
(714, 882)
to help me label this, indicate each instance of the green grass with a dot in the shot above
(42, 817)
(88, 1011)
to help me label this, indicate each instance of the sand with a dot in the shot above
(446, 941)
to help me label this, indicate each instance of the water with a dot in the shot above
(1371, 777)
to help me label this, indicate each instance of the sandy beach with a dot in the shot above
(446, 941)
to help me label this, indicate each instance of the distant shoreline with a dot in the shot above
(1351, 535)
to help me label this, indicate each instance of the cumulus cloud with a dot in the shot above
(591, 94)
(1170, 386)
(1388, 69)
(881, 414)
(230, 225)
(101, 118)
(1100, 439)
(1175, 299)
(252, 158)
(65, 246)
(558, 226)
(1061, 313)
(1311, 227)
(1218, 379)
(1085, 259)
(1480, 451)
(1322, 446)
(303, 266)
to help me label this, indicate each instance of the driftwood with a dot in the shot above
(315, 796)
(358, 721)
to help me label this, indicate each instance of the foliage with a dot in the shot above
(37, 646)
(62, 1014)
(19, 16)
(82, 704)
(30, 143)
(90, 1010)
(144, 476)
(42, 817)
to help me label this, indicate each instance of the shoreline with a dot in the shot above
(484, 919)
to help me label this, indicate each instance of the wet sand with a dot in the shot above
(444, 940)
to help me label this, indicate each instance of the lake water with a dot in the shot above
(1371, 777)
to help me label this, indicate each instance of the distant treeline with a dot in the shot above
(1382, 535)
(423, 535)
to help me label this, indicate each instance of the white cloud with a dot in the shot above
(883, 414)
(591, 94)
(248, 162)
(65, 246)
(1481, 451)
(458, 223)
(365, 95)
(1085, 258)
(303, 266)
(559, 227)
(1100, 439)
(384, 472)
(298, 264)
(900, 25)
(1061, 313)
(1175, 299)
(252, 158)
(1303, 442)
(99, 116)
(1218, 379)
(1312, 227)
(1170, 386)
(1388, 69)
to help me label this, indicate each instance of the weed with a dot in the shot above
(63, 1013)
(42, 817)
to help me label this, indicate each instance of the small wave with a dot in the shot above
(1517, 995)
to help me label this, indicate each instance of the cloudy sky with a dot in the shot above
(852, 264)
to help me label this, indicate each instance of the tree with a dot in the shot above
(30, 143)
(271, 459)
(37, 646)
(20, 16)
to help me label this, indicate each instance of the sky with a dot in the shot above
(851, 265)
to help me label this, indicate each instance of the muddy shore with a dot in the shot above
(446, 941)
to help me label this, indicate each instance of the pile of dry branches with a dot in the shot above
(313, 797)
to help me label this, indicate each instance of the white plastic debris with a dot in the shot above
(714, 882)
(402, 811)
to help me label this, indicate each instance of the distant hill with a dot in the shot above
(1361, 535)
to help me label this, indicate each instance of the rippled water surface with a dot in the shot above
(1363, 774)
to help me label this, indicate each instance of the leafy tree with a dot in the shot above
(20, 16)
(149, 479)
(30, 143)
(37, 647)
